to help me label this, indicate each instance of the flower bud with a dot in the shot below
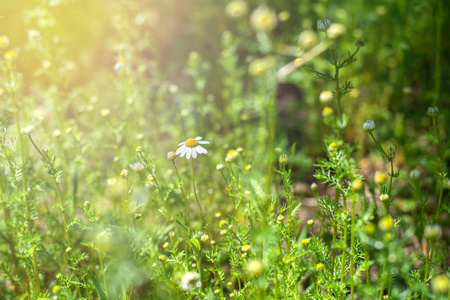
(386, 223)
(171, 155)
(332, 146)
(359, 43)
(204, 238)
(380, 178)
(384, 197)
(245, 248)
(415, 175)
(433, 232)
(433, 111)
(311, 222)
(327, 111)
(313, 187)
(319, 266)
(255, 267)
(306, 241)
(322, 25)
(440, 284)
(219, 167)
(280, 219)
(283, 159)
(369, 125)
(162, 257)
(326, 96)
(357, 185)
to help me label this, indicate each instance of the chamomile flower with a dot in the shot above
(190, 280)
(137, 166)
(191, 147)
(121, 63)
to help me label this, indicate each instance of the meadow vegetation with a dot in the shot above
(236, 149)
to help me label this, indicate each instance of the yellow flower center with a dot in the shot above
(191, 142)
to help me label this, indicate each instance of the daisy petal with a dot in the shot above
(194, 153)
(179, 150)
(183, 153)
(198, 138)
(201, 150)
(203, 142)
(181, 143)
(189, 152)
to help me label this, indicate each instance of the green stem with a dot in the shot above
(378, 145)
(58, 192)
(100, 258)
(188, 215)
(437, 66)
(344, 251)
(440, 155)
(337, 90)
(37, 285)
(195, 194)
(333, 250)
(352, 250)
(391, 175)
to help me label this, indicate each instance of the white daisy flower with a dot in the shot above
(137, 166)
(190, 280)
(121, 63)
(191, 147)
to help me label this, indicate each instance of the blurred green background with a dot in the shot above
(396, 75)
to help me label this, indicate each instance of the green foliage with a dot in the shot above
(95, 202)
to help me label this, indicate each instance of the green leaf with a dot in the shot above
(101, 293)
(196, 243)
(211, 296)
(179, 223)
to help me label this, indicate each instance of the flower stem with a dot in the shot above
(352, 250)
(333, 250)
(195, 194)
(37, 286)
(440, 155)
(58, 192)
(188, 216)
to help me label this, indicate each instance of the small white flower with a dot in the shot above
(190, 280)
(27, 130)
(326, 96)
(369, 125)
(121, 63)
(57, 133)
(112, 181)
(191, 147)
(137, 166)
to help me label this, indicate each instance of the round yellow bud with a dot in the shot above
(386, 223)
(245, 248)
(357, 185)
(255, 267)
(380, 178)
